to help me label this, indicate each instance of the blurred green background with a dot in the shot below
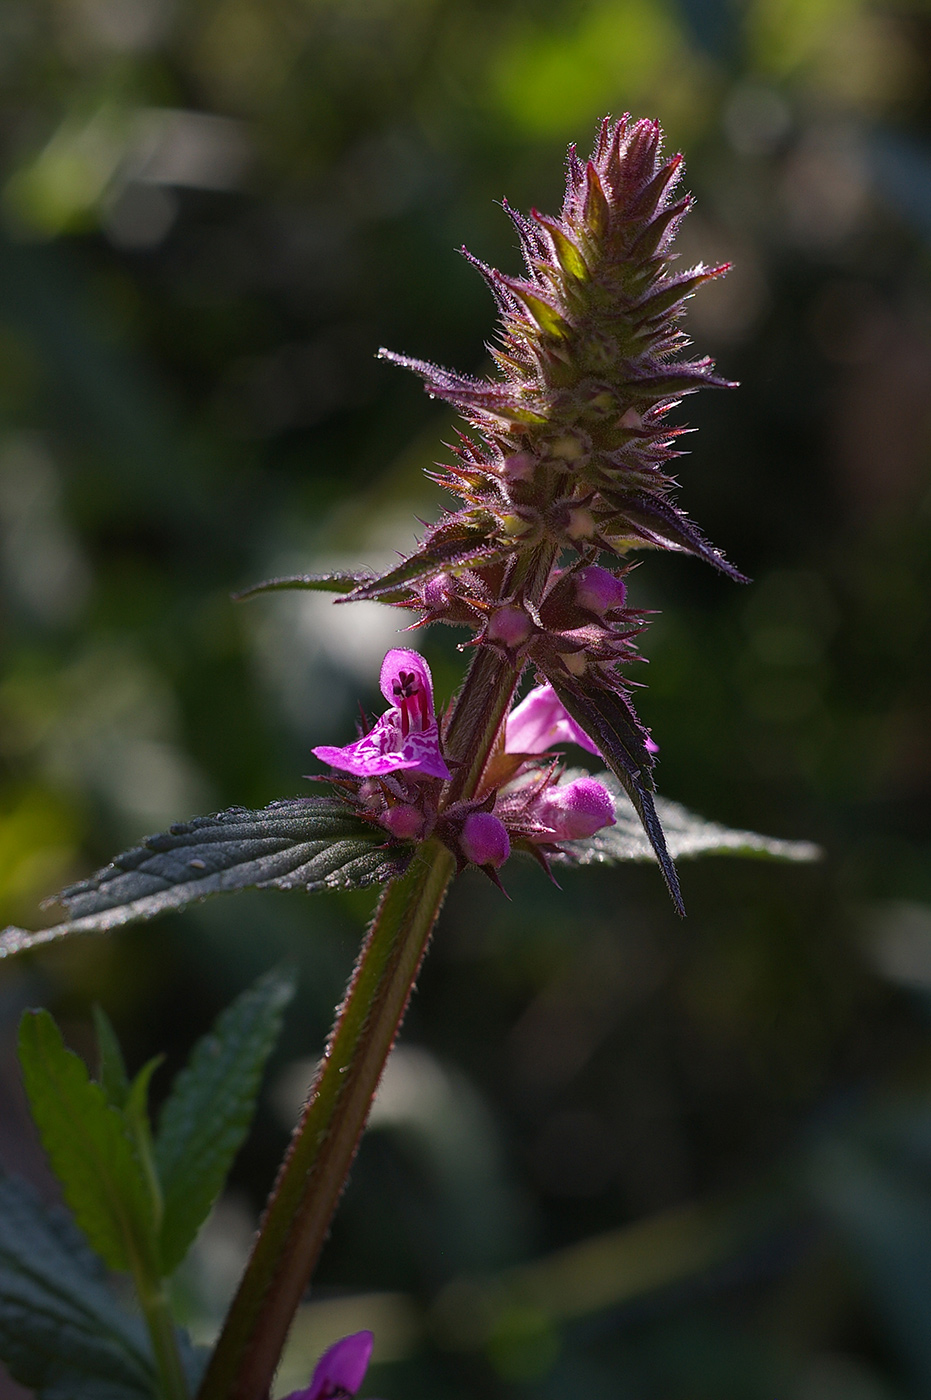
(615, 1156)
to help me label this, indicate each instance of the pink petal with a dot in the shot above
(576, 810)
(540, 721)
(383, 750)
(340, 1370)
(401, 659)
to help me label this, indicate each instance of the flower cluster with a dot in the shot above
(564, 471)
(397, 771)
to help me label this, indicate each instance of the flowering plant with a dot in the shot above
(562, 471)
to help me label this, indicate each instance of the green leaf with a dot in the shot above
(88, 1146)
(307, 843)
(686, 835)
(342, 582)
(62, 1332)
(138, 1125)
(113, 1078)
(209, 1110)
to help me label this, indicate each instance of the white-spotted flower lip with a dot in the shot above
(406, 737)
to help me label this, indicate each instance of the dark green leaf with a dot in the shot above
(686, 835)
(307, 843)
(209, 1110)
(609, 719)
(112, 1072)
(61, 1330)
(88, 1145)
(341, 582)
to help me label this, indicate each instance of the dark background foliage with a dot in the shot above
(213, 213)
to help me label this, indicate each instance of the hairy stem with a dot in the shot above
(314, 1171)
(313, 1174)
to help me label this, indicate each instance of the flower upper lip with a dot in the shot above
(406, 736)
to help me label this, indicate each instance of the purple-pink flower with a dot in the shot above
(573, 811)
(340, 1370)
(540, 721)
(406, 736)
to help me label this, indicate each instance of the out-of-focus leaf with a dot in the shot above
(88, 1145)
(686, 835)
(208, 1111)
(609, 719)
(885, 1219)
(61, 1330)
(309, 843)
(113, 1077)
(341, 582)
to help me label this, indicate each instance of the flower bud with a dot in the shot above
(484, 841)
(576, 810)
(581, 524)
(403, 821)
(438, 593)
(509, 625)
(598, 590)
(520, 466)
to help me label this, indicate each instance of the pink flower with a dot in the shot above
(575, 810)
(599, 590)
(406, 736)
(539, 722)
(340, 1370)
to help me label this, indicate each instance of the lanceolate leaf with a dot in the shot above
(686, 835)
(455, 542)
(342, 582)
(610, 721)
(88, 1146)
(658, 522)
(309, 843)
(208, 1111)
(62, 1332)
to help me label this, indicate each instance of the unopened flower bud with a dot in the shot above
(403, 821)
(598, 590)
(576, 810)
(510, 626)
(438, 593)
(484, 840)
(520, 466)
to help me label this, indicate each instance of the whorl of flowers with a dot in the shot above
(567, 462)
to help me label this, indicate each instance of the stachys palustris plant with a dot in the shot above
(567, 463)
(563, 472)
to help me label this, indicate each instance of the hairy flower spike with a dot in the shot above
(564, 471)
(575, 426)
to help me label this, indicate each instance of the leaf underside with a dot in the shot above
(207, 1114)
(307, 843)
(341, 582)
(61, 1330)
(687, 835)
